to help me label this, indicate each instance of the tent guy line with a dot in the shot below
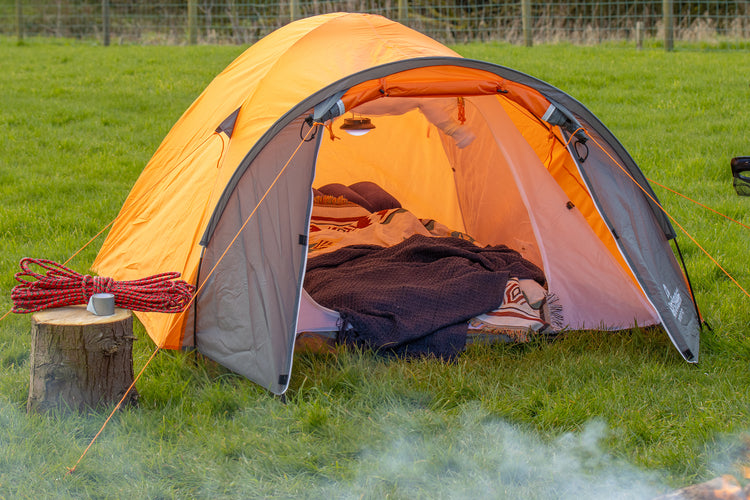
(71, 470)
(685, 231)
(183, 311)
(699, 203)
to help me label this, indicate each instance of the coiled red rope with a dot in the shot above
(61, 287)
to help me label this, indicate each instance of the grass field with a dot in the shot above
(594, 415)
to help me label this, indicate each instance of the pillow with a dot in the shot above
(335, 189)
(377, 197)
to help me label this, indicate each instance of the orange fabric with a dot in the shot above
(443, 81)
(423, 177)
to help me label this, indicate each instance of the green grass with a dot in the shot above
(595, 415)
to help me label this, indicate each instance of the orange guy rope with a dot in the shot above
(89, 242)
(67, 261)
(72, 256)
(672, 218)
(699, 204)
(252, 213)
(192, 299)
(119, 404)
(71, 470)
(247, 220)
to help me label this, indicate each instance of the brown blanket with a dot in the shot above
(414, 297)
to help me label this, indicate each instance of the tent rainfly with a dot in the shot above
(485, 150)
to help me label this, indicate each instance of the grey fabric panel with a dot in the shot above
(627, 211)
(247, 309)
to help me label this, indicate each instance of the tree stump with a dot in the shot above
(80, 361)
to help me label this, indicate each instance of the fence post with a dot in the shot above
(403, 11)
(639, 35)
(293, 8)
(105, 22)
(526, 22)
(19, 21)
(668, 8)
(192, 19)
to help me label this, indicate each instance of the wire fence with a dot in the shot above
(449, 21)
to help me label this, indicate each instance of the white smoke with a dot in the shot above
(422, 455)
(488, 458)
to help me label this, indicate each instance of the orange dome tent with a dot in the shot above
(226, 199)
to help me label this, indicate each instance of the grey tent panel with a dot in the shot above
(624, 207)
(247, 311)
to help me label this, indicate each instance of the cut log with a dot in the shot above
(721, 488)
(80, 361)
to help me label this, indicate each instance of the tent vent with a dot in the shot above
(227, 126)
(302, 239)
(283, 379)
(570, 205)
